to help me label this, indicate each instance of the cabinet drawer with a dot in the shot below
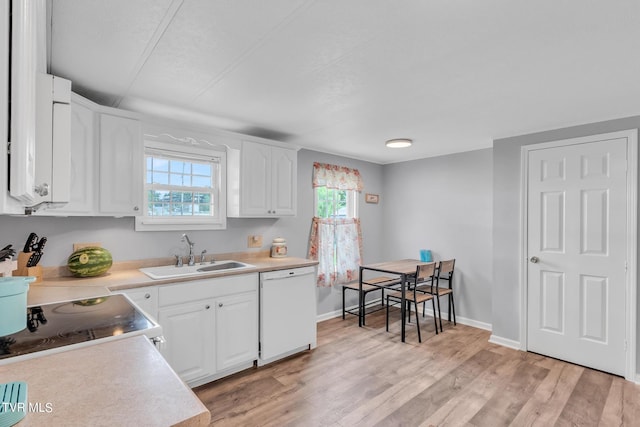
(207, 288)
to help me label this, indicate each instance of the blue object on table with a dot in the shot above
(425, 255)
(14, 403)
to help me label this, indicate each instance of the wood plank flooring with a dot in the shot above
(367, 377)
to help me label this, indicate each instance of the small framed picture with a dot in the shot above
(371, 198)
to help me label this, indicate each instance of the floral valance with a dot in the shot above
(338, 177)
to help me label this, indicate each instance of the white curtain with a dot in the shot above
(336, 243)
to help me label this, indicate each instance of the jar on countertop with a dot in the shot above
(279, 248)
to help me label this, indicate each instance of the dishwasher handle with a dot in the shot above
(283, 274)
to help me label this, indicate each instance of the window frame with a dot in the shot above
(218, 221)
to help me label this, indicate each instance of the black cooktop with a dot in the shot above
(55, 325)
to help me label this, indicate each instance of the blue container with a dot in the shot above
(13, 304)
(425, 255)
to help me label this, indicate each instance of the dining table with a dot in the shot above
(405, 269)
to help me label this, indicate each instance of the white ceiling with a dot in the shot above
(343, 76)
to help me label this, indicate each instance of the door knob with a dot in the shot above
(534, 259)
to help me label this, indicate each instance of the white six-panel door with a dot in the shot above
(577, 244)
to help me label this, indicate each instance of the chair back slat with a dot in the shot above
(447, 266)
(425, 271)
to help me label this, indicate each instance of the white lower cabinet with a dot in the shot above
(210, 326)
(189, 332)
(236, 334)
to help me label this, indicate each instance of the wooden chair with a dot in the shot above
(368, 285)
(424, 272)
(445, 273)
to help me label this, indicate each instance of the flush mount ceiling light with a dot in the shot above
(399, 143)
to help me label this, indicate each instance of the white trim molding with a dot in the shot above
(462, 320)
(632, 239)
(505, 342)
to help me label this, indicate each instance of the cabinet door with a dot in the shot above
(146, 298)
(7, 203)
(83, 163)
(236, 330)
(189, 331)
(255, 179)
(121, 159)
(284, 178)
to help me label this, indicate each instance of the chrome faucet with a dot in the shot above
(192, 257)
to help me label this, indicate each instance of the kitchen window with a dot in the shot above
(334, 203)
(183, 190)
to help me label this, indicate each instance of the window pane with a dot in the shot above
(201, 169)
(180, 166)
(331, 203)
(201, 181)
(180, 180)
(202, 197)
(160, 178)
(160, 164)
(202, 209)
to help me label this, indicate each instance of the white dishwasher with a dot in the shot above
(287, 312)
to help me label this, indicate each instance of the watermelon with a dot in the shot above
(89, 262)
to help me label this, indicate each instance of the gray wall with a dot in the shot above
(506, 217)
(445, 204)
(118, 235)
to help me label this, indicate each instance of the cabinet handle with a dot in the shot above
(220, 305)
(135, 208)
(207, 306)
(41, 190)
(147, 296)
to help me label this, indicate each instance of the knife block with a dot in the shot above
(23, 270)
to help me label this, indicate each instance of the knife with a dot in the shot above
(34, 259)
(6, 253)
(31, 242)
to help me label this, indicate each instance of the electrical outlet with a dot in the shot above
(254, 241)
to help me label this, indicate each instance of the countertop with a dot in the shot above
(127, 276)
(122, 382)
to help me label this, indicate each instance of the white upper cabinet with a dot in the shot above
(106, 162)
(265, 181)
(121, 157)
(284, 167)
(84, 162)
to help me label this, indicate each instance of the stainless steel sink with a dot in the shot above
(169, 271)
(228, 266)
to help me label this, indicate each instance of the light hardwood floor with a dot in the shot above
(367, 377)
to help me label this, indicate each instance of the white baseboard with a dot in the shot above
(331, 315)
(459, 319)
(464, 321)
(505, 342)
